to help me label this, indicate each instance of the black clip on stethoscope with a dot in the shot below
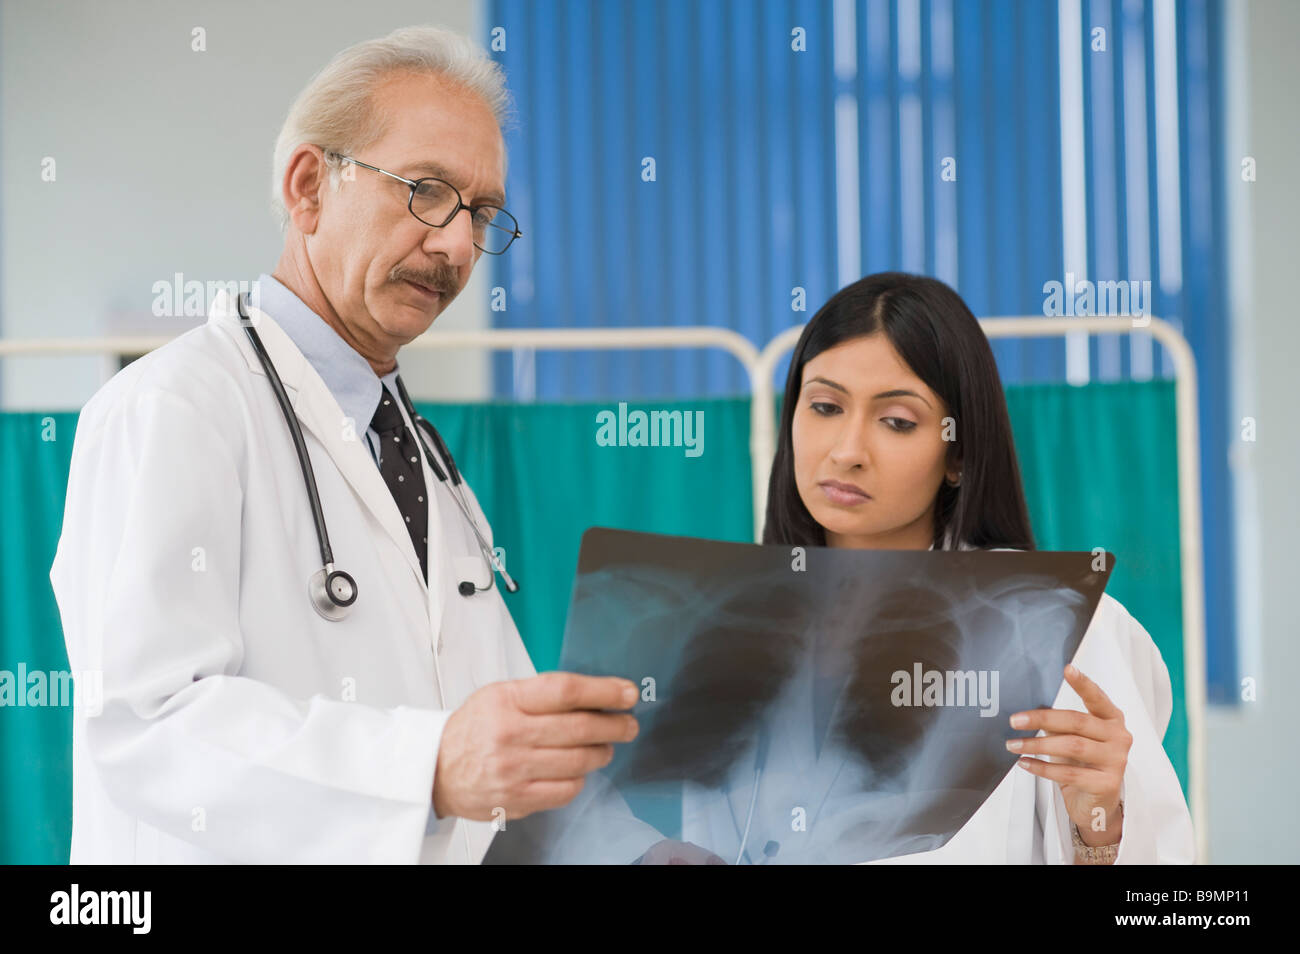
(332, 591)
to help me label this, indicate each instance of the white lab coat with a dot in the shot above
(237, 724)
(1023, 821)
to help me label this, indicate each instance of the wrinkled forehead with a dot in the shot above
(435, 128)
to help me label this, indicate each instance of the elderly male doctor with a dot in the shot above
(239, 723)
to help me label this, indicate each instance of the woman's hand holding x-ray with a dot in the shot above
(1092, 750)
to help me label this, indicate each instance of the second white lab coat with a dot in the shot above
(237, 724)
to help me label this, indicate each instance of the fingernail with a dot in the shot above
(629, 695)
(1014, 745)
(1019, 720)
(1072, 669)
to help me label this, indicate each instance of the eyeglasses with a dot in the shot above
(436, 202)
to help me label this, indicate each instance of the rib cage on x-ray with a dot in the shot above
(733, 650)
(734, 641)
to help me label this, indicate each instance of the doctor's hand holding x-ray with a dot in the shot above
(389, 712)
(527, 745)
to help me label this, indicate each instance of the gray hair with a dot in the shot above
(334, 110)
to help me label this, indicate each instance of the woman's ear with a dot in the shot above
(953, 475)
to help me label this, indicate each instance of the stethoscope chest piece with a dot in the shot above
(332, 592)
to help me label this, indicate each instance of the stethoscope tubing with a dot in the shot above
(330, 603)
(300, 445)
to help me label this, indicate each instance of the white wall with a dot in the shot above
(1253, 750)
(163, 163)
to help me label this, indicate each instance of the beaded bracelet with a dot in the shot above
(1094, 854)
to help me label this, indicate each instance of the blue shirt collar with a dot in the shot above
(347, 374)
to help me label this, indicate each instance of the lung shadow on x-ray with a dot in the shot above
(1007, 627)
(738, 652)
(909, 625)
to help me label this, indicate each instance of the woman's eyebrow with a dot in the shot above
(896, 392)
(900, 392)
(829, 383)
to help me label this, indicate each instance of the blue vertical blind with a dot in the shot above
(706, 162)
(736, 130)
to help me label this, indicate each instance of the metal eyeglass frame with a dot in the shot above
(460, 202)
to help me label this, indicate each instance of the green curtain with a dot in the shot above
(35, 743)
(1099, 466)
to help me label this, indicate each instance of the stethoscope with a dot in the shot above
(333, 591)
(760, 760)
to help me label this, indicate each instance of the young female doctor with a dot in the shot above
(894, 434)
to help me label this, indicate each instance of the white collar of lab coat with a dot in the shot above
(947, 544)
(320, 413)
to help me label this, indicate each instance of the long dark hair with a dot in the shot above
(937, 336)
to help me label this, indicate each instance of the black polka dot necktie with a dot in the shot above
(399, 462)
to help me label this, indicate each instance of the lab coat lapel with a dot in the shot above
(320, 414)
(437, 556)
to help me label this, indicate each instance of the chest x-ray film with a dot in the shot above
(804, 706)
